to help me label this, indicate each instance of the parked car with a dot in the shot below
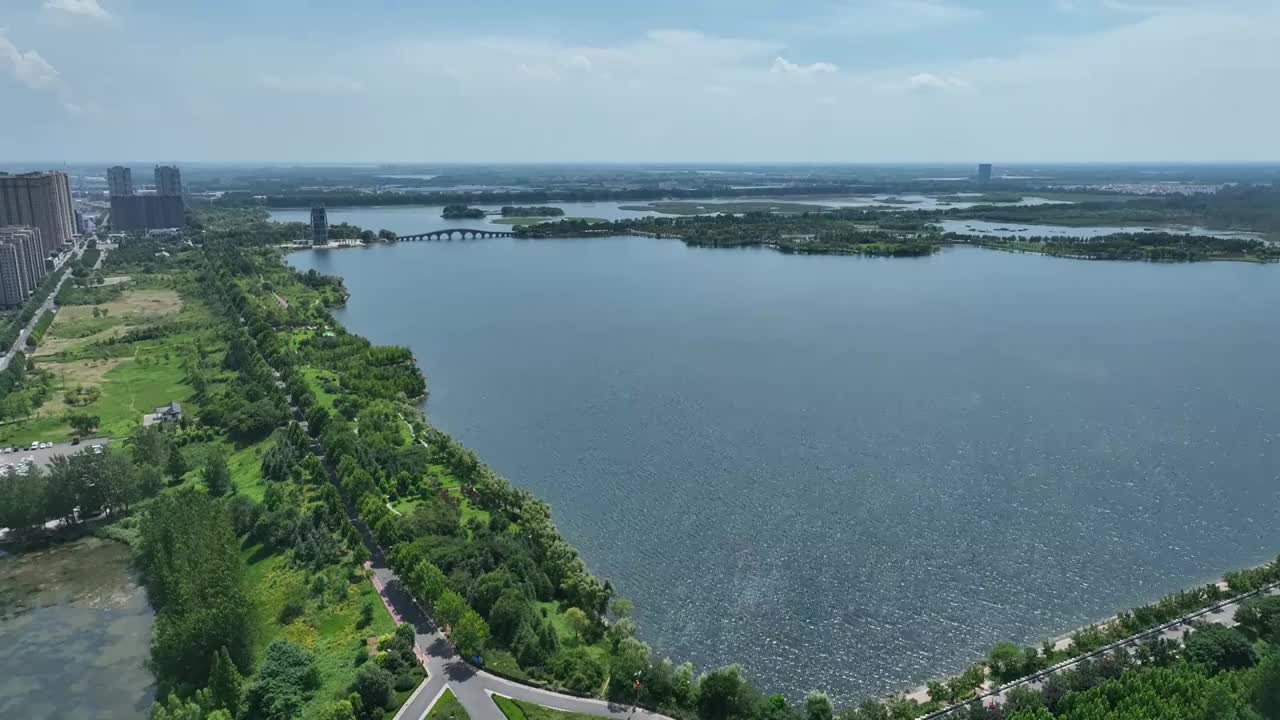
(97, 449)
(35, 445)
(75, 440)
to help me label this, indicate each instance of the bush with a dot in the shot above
(288, 675)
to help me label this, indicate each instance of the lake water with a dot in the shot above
(853, 473)
(76, 629)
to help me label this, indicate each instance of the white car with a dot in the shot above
(97, 449)
(35, 445)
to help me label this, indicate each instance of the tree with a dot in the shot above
(428, 581)
(191, 564)
(577, 620)
(450, 608)
(1220, 648)
(284, 683)
(175, 465)
(225, 684)
(621, 608)
(1005, 661)
(724, 694)
(470, 632)
(776, 707)
(1266, 687)
(817, 706)
(373, 685)
(216, 475)
(82, 423)
(1257, 614)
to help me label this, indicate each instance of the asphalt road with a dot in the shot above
(472, 686)
(48, 305)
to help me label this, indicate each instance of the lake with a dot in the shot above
(852, 473)
(76, 631)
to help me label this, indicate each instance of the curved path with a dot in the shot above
(470, 685)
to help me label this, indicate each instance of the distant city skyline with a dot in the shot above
(872, 81)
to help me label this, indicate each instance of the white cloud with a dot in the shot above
(32, 70)
(81, 8)
(928, 82)
(783, 66)
(28, 66)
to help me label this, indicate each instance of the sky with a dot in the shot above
(1007, 81)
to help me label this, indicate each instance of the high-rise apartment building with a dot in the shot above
(146, 212)
(119, 180)
(168, 180)
(984, 172)
(319, 226)
(41, 200)
(22, 263)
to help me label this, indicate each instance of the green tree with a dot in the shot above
(374, 687)
(175, 464)
(225, 684)
(450, 608)
(470, 633)
(1005, 661)
(577, 620)
(1265, 697)
(216, 475)
(1220, 648)
(190, 560)
(724, 694)
(284, 683)
(776, 707)
(817, 706)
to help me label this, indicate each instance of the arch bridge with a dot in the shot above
(461, 233)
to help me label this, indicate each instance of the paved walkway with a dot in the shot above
(472, 686)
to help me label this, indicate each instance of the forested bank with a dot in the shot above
(449, 530)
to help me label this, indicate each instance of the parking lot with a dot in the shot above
(42, 456)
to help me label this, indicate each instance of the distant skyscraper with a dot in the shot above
(319, 226)
(168, 180)
(146, 212)
(984, 172)
(41, 200)
(119, 180)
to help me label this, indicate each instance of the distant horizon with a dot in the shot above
(676, 164)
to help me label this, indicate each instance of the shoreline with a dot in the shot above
(1062, 641)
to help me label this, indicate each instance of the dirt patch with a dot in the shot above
(140, 304)
(89, 373)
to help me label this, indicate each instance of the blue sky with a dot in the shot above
(663, 80)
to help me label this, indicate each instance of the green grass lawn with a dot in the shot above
(328, 626)
(447, 708)
(521, 710)
(312, 376)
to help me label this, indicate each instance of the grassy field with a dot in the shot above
(447, 708)
(520, 710)
(132, 379)
(328, 627)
